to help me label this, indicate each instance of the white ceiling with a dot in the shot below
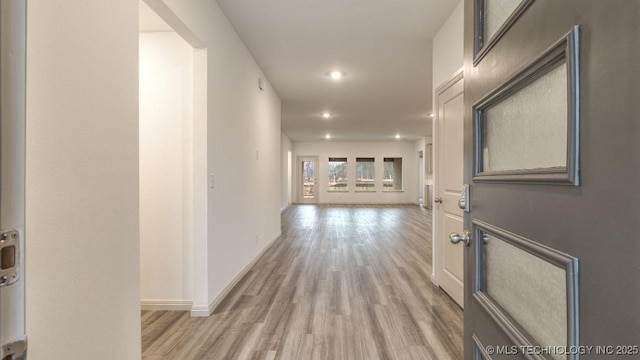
(384, 46)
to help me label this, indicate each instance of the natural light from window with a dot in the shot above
(392, 174)
(338, 174)
(365, 174)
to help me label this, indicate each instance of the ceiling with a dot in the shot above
(383, 46)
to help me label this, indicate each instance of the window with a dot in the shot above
(338, 171)
(392, 174)
(365, 174)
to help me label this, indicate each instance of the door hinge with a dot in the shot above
(15, 350)
(9, 258)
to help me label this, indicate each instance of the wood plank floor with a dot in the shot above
(343, 282)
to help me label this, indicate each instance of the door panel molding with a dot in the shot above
(596, 221)
(483, 45)
(565, 50)
(515, 331)
(508, 326)
(479, 350)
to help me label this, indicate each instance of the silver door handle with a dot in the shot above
(465, 237)
(437, 200)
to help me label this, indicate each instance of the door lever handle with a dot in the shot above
(437, 200)
(457, 238)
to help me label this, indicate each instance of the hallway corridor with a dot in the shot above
(343, 282)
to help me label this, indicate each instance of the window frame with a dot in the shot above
(371, 160)
(346, 182)
(392, 159)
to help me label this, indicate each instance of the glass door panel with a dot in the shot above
(308, 180)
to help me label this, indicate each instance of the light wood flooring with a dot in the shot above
(343, 282)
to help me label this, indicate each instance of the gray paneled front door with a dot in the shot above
(552, 154)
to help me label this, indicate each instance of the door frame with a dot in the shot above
(12, 163)
(299, 186)
(436, 234)
(421, 175)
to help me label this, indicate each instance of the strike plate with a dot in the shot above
(9, 258)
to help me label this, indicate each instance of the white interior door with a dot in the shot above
(308, 180)
(449, 181)
(12, 168)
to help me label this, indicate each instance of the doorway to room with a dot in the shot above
(173, 179)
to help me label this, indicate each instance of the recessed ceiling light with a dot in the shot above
(336, 75)
(326, 115)
(327, 136)
(397, 136)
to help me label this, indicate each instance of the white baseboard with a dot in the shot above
(204, 311)
(200, 311)
(166, 305)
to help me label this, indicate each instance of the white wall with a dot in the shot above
(351, 150)
(82, 216)
(82, 224)
(243, 136)
(166, 163)
(419, 144)
(286, 162)
(448, 47)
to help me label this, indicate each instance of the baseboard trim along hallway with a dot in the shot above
(166, 305)
(204, 311)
